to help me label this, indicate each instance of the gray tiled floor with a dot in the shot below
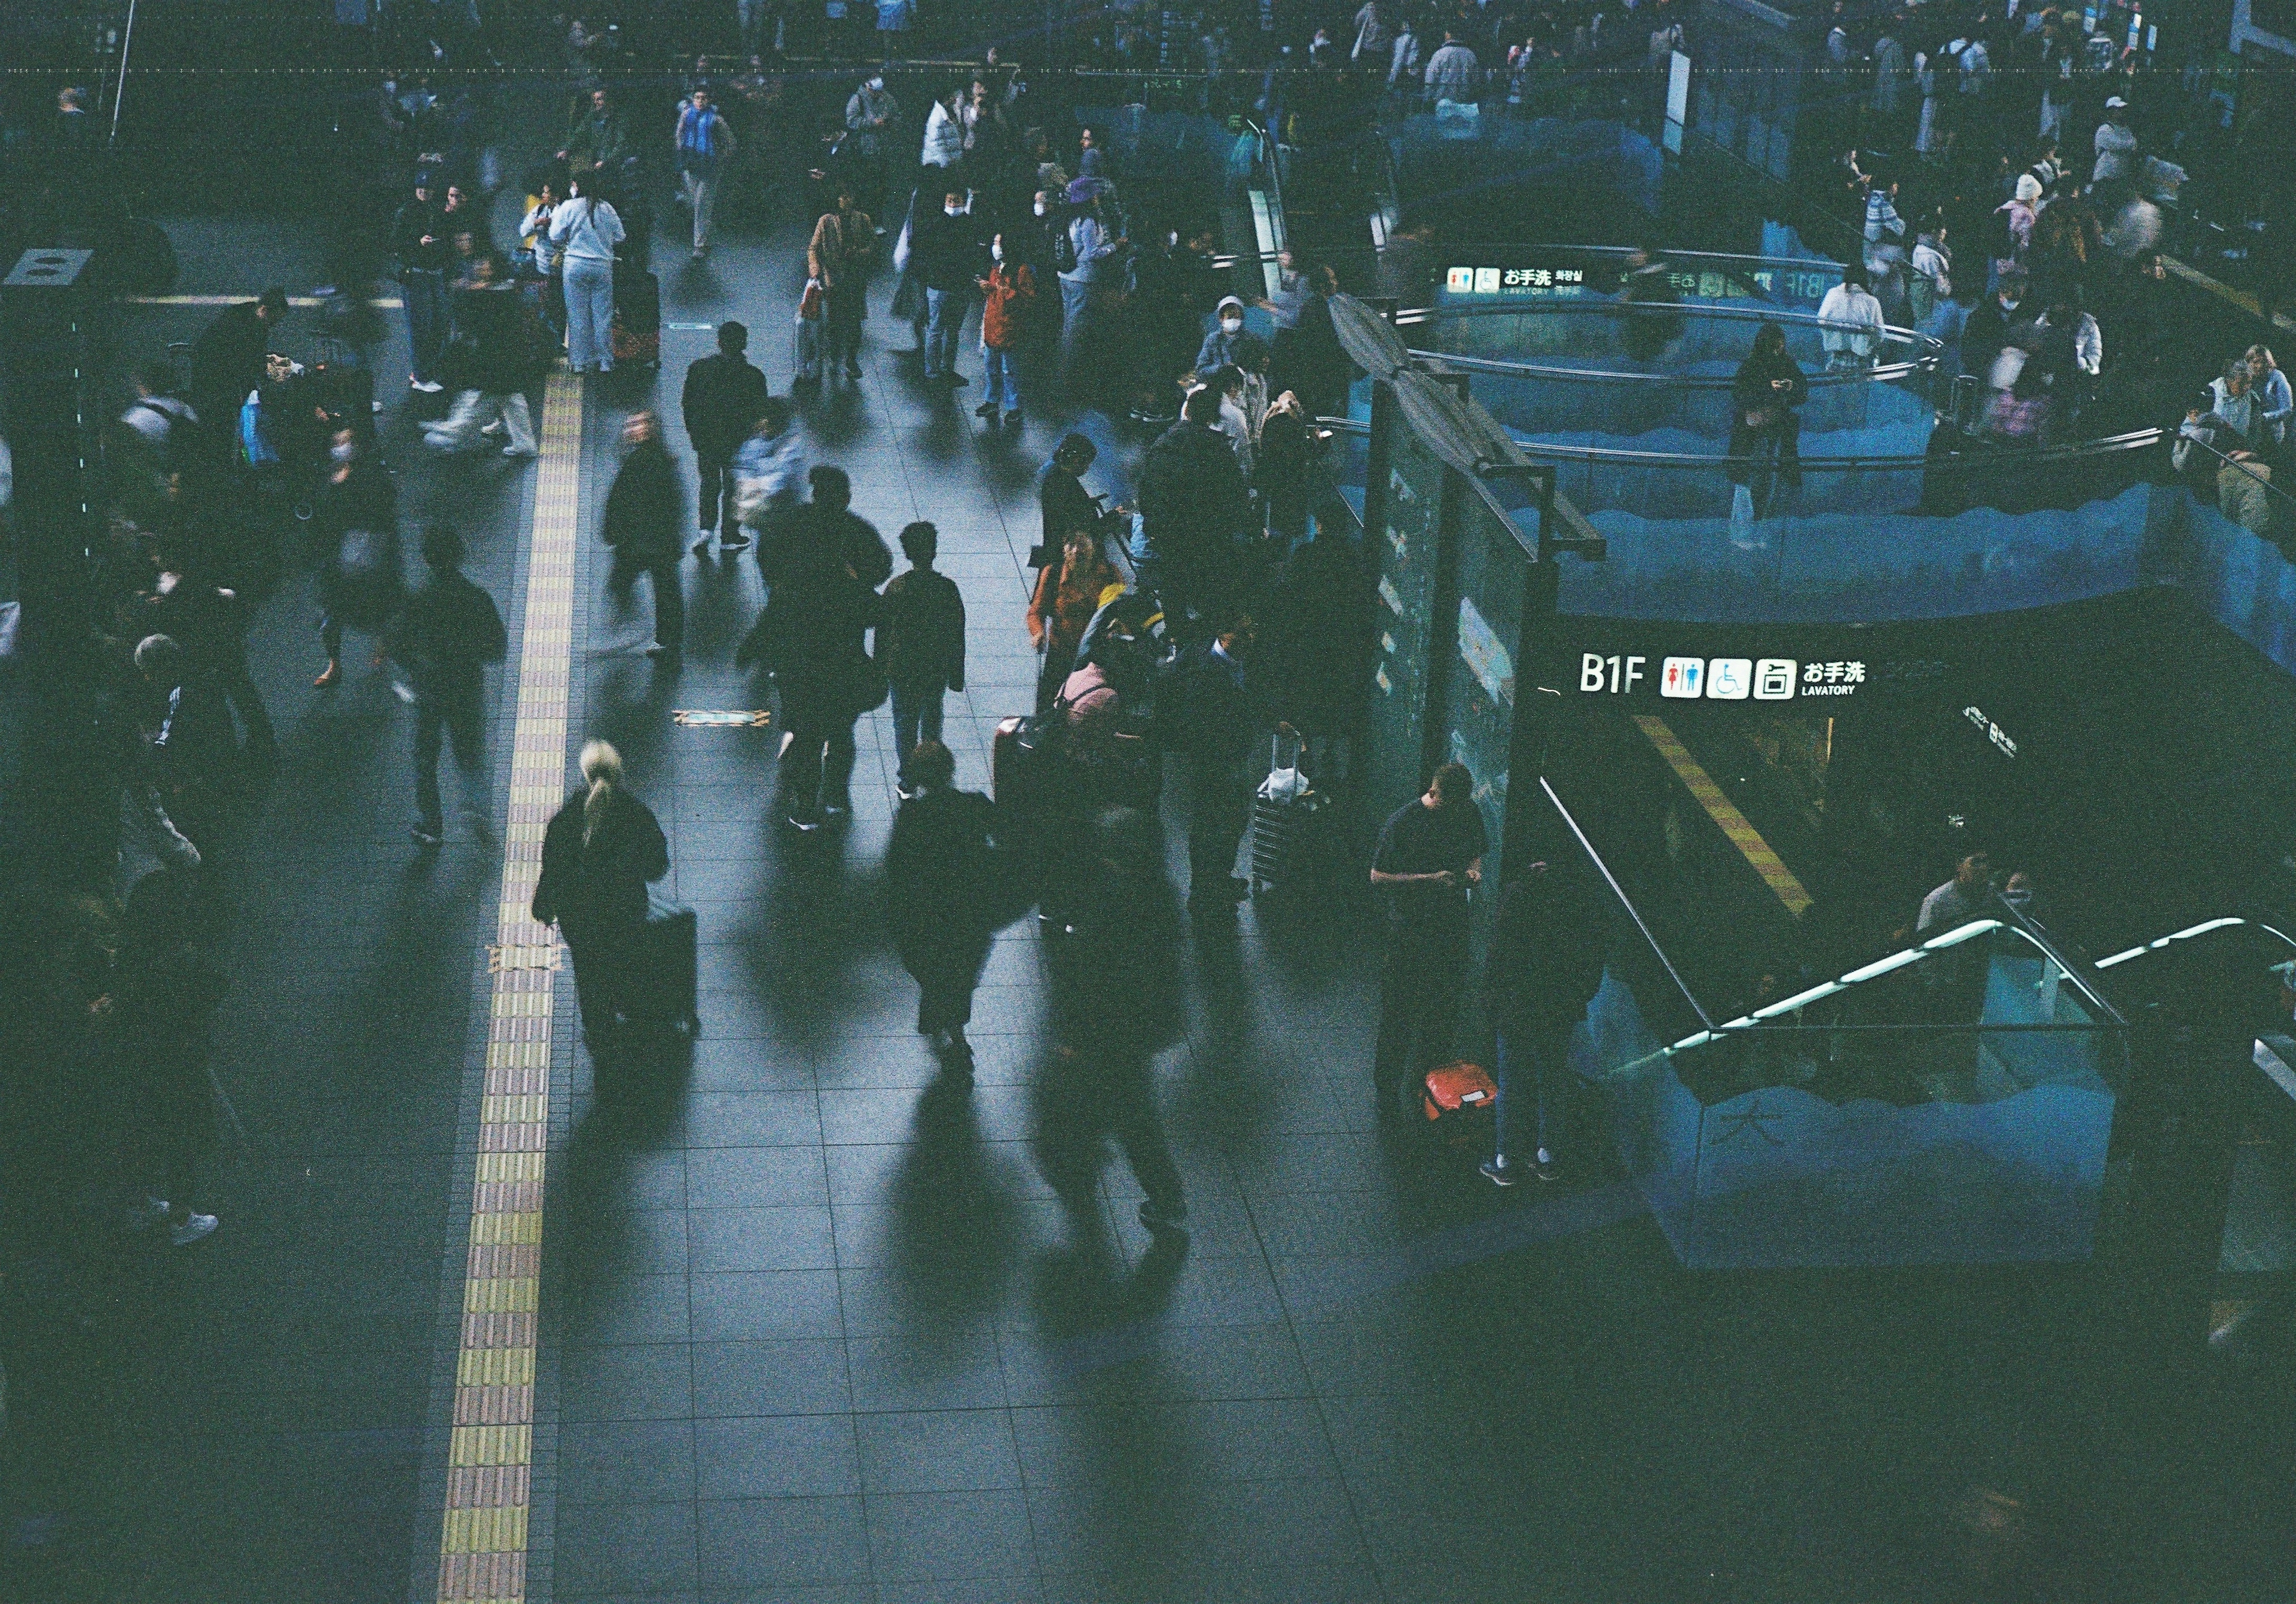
(906, 1372)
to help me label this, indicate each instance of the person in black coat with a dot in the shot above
(946, 251)
(603, 847)
(227, 360)
(1065, 505)
(487, 362)
(1320, 629)
(448, 632)
(723, 397)
(1218, 726)
(1766, 398)
(360, 579)
(813, 637)
(646, 517)
(1116, 1003)
(938, 870)
(1545, 965)
(1194, 507)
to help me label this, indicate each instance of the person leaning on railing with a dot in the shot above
(2227, 422)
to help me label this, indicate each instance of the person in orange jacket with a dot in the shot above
(1007, 291)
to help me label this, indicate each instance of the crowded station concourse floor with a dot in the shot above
(800, 1324)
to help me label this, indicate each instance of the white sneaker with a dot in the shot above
(493, 431)
(520, 451)
(428, 387)
(196, 1228)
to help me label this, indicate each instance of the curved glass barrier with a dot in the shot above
(1949, 1103)
(1604, 374)
(1716, 540)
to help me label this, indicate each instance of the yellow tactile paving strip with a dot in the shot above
(483, 1549)
(1723, 811)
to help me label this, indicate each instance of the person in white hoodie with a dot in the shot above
(586, 229)
(1849, 323)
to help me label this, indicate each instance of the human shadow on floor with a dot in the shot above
(954, 1221)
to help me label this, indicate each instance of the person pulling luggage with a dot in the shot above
(603, 847)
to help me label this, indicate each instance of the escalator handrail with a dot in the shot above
(2261, 479)
(2191, 932)
(2136, 440)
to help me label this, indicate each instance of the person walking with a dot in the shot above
(920, 645)
(1544, 967)
(769, 476)
(1218, 727)
(421, 241)
(1194, 507)
(1068, 593)
(724, 397)
(1116, 1004)
(645, 509)
(488, 363)
(811, 637)
(1089, 261)
(163, 1002)
(360, 578)
(705, 147)
(1429, 858)
(838, 258)
(939, 871)
(587, 228)
(227, 359)
(448, 633)
(207, 622)
(946, 256)
(602, 848)
(1008, 294)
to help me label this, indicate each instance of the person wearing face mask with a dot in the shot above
(944, 253)
(869, 116)
(1227, 345)
(1990, 327)
(1006, 294)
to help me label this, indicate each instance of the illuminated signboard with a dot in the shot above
(1725, 678)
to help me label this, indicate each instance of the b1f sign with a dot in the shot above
(1613, 674)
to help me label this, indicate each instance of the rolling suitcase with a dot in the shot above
(665, 987)
(1460, 1102)
(1004, 764)
(637, 319)
(1285, 813)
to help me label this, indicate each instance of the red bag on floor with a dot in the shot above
(1459, 1101)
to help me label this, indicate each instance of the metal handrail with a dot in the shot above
(2135, 440)
(1930, 347)
(2260, 478)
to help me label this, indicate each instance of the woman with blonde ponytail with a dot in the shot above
(603, 846)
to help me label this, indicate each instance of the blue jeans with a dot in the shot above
(425, 292)
(589, 314)
(999, 371)
(944, 321)
(916, 717)
(1545, 1055)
